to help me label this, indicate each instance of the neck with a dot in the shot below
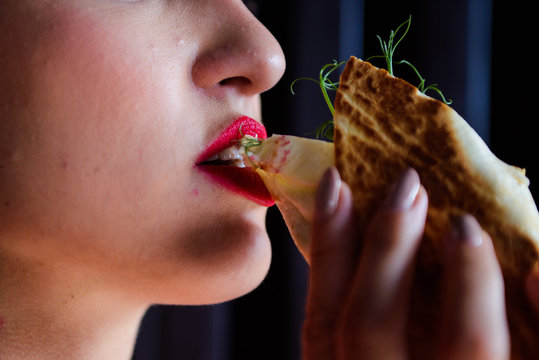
(51, 313)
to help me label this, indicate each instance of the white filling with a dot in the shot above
(232, 154)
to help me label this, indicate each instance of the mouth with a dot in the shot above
(223, 162)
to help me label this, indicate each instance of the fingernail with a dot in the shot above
(405, 191)
(327, 197)
(466, 230)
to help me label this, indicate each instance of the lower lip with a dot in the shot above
(242, 181)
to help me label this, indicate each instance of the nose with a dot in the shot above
(238, 53)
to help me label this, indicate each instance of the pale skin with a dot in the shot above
(104, 107)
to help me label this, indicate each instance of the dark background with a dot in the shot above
(480, 52)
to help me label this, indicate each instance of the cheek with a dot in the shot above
(96, 77)
(100, 128)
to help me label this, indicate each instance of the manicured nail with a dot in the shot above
(467, 230)
(404, 192)
(327, 197)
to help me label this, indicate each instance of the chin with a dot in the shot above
(250, 270)
(224, 260)
(243, 269)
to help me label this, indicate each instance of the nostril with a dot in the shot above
(237, 81)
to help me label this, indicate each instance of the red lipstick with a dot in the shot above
(242, 126)
(241, 180)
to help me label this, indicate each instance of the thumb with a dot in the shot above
(532, 287)
(332, 263)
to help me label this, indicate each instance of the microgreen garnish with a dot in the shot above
(247, 142)
(421, 87)
(388, 50)
(326, 130)
(326, 84)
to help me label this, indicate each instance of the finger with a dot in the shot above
(532, 287)
(332, 250)
(474, 322)
(377, 308)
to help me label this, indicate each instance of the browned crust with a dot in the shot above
(390, 128)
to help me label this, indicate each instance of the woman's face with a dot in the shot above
(105, 108)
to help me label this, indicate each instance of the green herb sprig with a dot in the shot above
(247, 142)
(326, 130)
(326, 84)
(388, 50)
(421, 87)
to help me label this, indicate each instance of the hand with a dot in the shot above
(357, 305)
(532, 287)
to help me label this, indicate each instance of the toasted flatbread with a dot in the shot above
(384, 125)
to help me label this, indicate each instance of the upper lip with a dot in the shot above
(242, 126)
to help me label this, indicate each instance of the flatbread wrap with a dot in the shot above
(384, 125)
